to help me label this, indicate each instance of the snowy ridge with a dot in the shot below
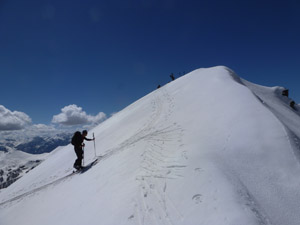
(208, 148)
(14, 164)
(14, 148)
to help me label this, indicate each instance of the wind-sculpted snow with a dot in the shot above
(208, 148)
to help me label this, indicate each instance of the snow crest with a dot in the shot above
(208, 148)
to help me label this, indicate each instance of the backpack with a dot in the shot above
(76, 138)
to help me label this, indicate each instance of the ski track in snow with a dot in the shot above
(158, 165)
(152, 204)
(162, 161)
(36, 189)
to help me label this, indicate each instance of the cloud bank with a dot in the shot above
(73, 115)
(12, 120)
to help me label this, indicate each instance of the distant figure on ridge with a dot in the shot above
(292, 104)
(77, 141)
(172, 76)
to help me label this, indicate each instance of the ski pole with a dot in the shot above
(94, 146)
(82, 156)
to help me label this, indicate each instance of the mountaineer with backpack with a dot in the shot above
(77, 141)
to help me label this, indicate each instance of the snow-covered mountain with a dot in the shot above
(14, 164)
(19, 154)
(209, 148)
(33, 143)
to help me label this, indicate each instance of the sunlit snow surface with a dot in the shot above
(206, 149)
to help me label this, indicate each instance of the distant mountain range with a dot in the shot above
(35, 144)
(40, 145)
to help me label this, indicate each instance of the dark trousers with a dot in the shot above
(79, 154)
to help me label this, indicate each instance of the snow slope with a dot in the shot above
(208, 148)
(19, 154)
(14, 164)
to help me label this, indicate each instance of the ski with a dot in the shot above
(87, 167)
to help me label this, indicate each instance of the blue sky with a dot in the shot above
(103, 55)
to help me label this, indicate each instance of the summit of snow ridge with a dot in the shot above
(219, 71)
(200, 150)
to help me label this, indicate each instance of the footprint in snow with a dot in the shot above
(131, 217)
(197, 198)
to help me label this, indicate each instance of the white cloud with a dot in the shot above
(13, 120)
(73, 115)
(35, 130)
